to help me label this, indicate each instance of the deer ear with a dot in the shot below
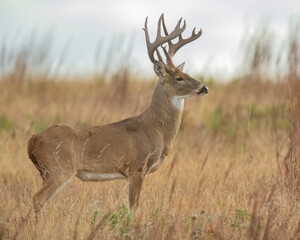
(159, 69)
(180, 67)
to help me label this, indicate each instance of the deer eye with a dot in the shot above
(179, 79)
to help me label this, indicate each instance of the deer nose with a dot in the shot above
(204, 90)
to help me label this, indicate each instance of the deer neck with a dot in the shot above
(165, 112)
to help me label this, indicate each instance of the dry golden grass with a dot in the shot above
(224, 179)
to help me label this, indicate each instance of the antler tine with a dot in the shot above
(159, 56)
(164, 27)
(173, 48)
(148, 43)
(152, 47)
(146, 30)
(169, 59)
(158, 33)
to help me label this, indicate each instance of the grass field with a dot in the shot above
(234, 172)
(227, 177)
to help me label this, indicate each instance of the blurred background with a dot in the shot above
(84, 37)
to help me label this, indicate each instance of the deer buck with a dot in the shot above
(129, 149)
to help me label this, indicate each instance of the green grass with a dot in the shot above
(6, 124)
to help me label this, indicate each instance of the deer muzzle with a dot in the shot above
(203, 90)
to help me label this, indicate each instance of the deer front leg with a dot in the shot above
(134, 185)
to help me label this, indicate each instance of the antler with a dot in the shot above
(173, 48)
(152, 47)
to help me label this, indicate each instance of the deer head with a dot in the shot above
(173, 78)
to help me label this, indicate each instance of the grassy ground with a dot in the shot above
(225, 178)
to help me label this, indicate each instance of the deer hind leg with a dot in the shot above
(134, 185)
(50, 188)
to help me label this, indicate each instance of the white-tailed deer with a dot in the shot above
(129, 149)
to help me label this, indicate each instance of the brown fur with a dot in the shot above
(128, 149)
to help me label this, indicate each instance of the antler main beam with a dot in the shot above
(160, 40)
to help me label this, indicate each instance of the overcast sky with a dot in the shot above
(80, 25)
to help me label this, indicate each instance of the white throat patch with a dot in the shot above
(178, 102)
